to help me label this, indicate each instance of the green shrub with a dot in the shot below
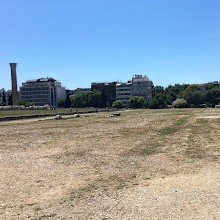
(136, 102)
(117, 104)
(26, 104)
(179, 103)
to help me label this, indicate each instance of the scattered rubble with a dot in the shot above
(114, 115)
(58, 117)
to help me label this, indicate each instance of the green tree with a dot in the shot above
(136, 102)
(67, 103)
(208, 86)
(61, 103)
(174, 92)
(158, 101)
(94, 98)
(26, 104)
(4, 97)
(182, 89)
(117, 104)
(153, 104)
(80, 99)
(10, 100)
(171, 93)
(158, 89)
(212, 96)
(193, 96)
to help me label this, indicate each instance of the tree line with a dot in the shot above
(82, 99)
(177, 96)
(186, 96)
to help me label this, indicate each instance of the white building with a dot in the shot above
(142, 86)
(123, 92)
(42, 91)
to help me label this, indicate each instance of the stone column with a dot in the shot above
(14, 84)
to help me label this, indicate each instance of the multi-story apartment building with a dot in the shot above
(123, 92)
(142, 86)
(42, 91)
(107, 88)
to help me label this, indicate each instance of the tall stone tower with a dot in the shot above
(14, 84)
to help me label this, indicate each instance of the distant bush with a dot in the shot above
(26, 104)
(179, 103)
(117, 104)
(136, 102)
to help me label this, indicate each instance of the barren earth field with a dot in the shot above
(144, 164)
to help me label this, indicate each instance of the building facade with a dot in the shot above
(107, 88)
(142, 86)
(43, 91)
(124, 92)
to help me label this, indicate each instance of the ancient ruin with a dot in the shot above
(14, 84)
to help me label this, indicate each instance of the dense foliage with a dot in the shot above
(94, 98)
(192, 94)
(61, 103)
(177, 96)
(136, 102)
(117, 104)
(26, 104)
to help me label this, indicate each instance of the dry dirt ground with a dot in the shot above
(145, 164)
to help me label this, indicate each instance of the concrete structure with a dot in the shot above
(124, 92)
(142, 86)
(43, 91)
(107, 88)
(14, 84)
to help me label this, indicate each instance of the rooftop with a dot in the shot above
(41, 80)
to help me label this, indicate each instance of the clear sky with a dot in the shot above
(81, 41)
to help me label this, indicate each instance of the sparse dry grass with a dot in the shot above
(145, 164)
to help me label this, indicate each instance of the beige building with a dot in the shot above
(42, 91)
(142, 86)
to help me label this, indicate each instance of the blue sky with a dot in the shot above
(81, 41)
